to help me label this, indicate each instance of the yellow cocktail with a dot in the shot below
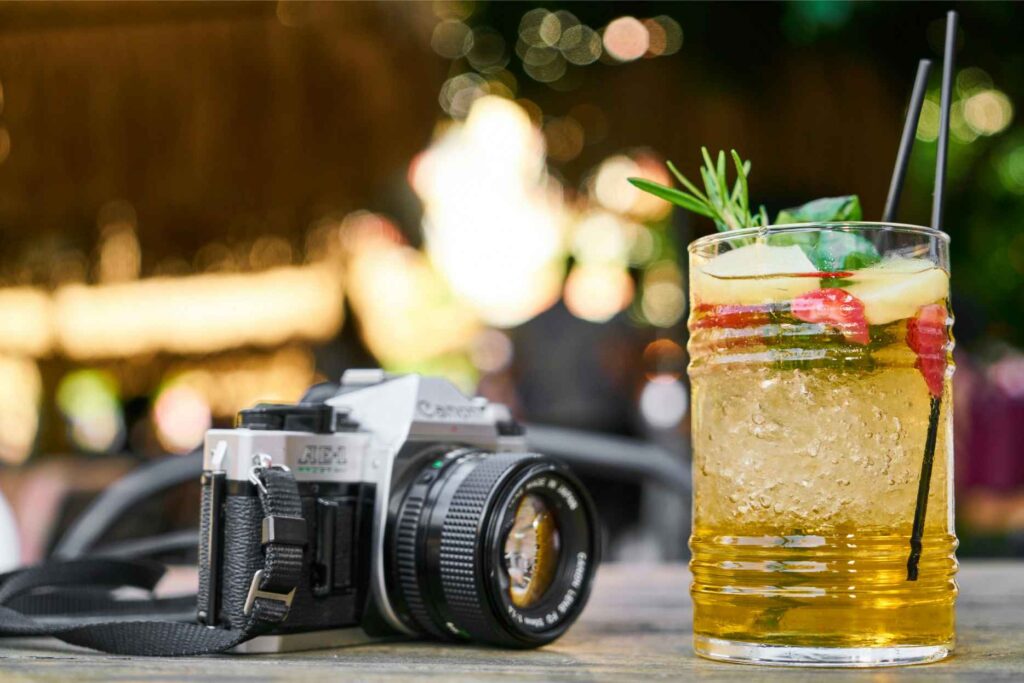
(818, 397)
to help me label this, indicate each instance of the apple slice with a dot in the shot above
(754, 274)
(897, 288)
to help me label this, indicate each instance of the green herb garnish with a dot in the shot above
(729, 207)
(830, 251)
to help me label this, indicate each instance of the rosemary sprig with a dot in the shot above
(728, 207)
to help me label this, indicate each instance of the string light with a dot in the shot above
(198, 314)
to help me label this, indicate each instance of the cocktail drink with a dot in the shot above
(822, 445)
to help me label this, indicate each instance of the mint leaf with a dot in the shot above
(825, 210)
(837, 250)
(828, 250)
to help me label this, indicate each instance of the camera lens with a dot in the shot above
(497, 548)
(531, 551)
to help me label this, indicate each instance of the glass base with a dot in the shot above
(787, 655)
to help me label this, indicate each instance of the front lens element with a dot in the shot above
(531, 551)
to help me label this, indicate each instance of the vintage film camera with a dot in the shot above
(425, 515)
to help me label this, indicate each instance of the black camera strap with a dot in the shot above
(74, 600)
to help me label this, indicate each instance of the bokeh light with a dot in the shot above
(238, 380)
(26, 321)
(564, 138)
(971, 80)
(664, 357)
(580, 45)
(493, 219)
(664, 301)
(491, 350)
(544, 65)
(613, 190)
(1011, 169)
(928, 122)
(664, 402)
(89, 402)
(452, 39)
(665, 36)
(120, 256)
(407, 312)
(601, 237)
(597, 291)
(200, 313)
(181, 415)
(21, 389)
(626, 39)
(488, 51)
(988, 112)
(530, 26)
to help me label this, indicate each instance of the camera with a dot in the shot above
(424, 515)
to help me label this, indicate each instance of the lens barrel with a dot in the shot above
(449, 539)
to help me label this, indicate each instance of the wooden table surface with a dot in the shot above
(636, 627)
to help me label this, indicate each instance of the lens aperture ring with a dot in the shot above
(406, 544)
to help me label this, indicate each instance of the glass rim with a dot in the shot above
(879, 226)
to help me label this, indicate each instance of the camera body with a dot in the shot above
(425, 515)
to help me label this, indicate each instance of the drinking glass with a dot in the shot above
(820, 363)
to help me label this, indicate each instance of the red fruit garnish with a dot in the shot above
(732, 316)
(926, 335)
(835, 307)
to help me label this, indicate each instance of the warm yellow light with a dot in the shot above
(664, 300)
(21, 388)
(611, 187)
(493, 219)
(120, 255)
(613, 190)
(199, 314)
(26, 321)
(596, 292)
(601, 238)
(406, 311)
(230, 383)
(988, 112)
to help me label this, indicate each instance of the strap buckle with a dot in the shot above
(266, 463)
(255, 592)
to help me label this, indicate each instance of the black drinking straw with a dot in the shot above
(924, 482)
(899, 172)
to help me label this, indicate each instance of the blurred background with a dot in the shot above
(203, 206)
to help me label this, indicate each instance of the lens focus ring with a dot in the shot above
(462, 573)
